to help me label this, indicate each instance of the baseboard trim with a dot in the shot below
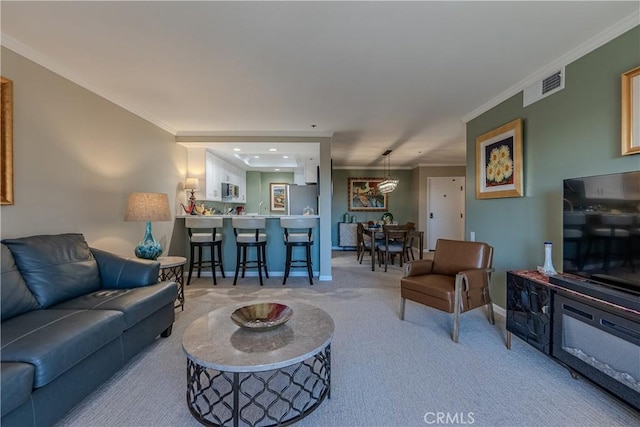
(499, 310)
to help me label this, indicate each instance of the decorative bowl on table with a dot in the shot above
(262, 317)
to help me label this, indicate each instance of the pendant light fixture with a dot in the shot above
(389, 184)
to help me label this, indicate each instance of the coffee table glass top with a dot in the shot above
(215, 341)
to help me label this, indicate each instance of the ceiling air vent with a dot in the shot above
(543, 88)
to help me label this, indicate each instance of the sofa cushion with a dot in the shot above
(15, 296)
(136, 304)
(16, 385)
(55, 267)
(117, 272)
(55, 340)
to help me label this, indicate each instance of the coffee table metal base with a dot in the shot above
(277, 397)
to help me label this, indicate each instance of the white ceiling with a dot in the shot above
(375, 75)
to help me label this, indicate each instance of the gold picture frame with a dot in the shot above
(499, 162)
(364, 196)
(277, 194)
(631, 112)
(6, 141)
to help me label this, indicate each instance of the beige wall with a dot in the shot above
(77, 157)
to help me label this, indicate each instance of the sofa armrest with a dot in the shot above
(417, 267)
(117, 272)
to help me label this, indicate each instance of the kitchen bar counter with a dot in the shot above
(276, 254)
(250, 215)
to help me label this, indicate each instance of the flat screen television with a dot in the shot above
(601, 229)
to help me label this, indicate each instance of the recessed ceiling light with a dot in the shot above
(277, 170)
(285, 157)
(237, 149)
(256, 157)
(273, 149)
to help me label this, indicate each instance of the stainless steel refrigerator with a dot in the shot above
(299, 197)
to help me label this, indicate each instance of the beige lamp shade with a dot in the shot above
(148, 207)
(192, 184)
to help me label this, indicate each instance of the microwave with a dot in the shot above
(230, 191)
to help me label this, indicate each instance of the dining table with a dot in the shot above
(378, 233)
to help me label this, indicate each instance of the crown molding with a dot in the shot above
(590, 45)
(375, 168)
(56, 68)
(274, 136)
(441, 165)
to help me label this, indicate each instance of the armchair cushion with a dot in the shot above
(55, 267)
(434, 290)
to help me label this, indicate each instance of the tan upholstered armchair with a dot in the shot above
(455, 281)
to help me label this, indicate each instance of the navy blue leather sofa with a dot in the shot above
(71, 317)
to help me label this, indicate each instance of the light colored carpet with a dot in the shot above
(385, 372)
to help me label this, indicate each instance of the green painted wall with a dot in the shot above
(575, 132)
(401, 201)
(258, 187)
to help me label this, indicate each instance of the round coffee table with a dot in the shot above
(273, 377)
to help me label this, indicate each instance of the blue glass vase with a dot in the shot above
(148, 248)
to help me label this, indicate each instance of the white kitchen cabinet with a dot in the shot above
(311, 173)
(242, 184)
(298, 176)
(211, 172)
(203, 165)
(215, 170)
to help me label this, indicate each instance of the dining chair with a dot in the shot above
(394, 243)
(411, 226)
(363, 243)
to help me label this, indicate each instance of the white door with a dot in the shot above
(445, 209)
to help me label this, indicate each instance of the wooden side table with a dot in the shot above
(172, 268)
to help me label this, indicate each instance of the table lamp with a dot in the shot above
(192, 184)
(148, 207)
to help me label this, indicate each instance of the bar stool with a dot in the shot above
(248, 235)
(298, 238)
(211, 239)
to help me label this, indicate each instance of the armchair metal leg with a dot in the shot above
(456, 307)
(403, 302)
(489, 301)
(491, 317)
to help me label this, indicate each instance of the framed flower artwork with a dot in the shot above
(499, 162)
